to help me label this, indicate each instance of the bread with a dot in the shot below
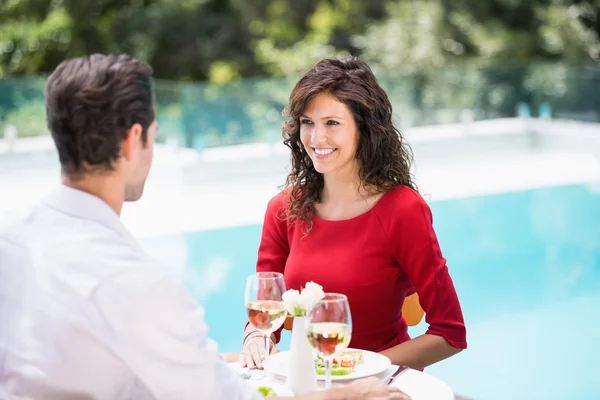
(356, 355)
(350, 358)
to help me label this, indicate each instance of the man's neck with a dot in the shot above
(108, 188)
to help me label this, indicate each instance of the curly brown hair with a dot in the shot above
(383, 156)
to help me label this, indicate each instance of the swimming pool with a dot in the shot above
(526, 266)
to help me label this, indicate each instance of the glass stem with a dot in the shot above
(327, 373)
(266, 346)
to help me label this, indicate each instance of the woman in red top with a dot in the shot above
(351, 219)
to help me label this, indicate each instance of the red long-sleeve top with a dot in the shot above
(376, 259)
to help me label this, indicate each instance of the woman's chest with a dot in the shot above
(354, 259)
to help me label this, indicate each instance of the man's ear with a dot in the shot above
(132, 139)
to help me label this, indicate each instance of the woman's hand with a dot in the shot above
(253, 352)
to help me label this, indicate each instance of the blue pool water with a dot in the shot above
(526, 266)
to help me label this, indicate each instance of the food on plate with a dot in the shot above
(343, 364)
(267, 392)
(350, 358)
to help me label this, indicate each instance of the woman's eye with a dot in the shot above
(330, 122)
(305, 121)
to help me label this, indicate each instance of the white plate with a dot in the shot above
(374, 363)
(279, 387)
(421, 386)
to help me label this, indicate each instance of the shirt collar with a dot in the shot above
(80, 204)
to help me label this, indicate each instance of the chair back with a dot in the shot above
(411, 311)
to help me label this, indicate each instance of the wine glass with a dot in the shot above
(330, 329)
(264, 304)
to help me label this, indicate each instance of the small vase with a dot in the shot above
(302, 376)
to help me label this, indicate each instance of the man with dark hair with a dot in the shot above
(85, 313)
(100, 112)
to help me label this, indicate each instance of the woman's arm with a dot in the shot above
(274, 248)
(419, 255)
(272, 256)
(421, 351)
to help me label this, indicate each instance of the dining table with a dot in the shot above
(419, 385)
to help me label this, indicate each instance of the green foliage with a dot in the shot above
(288, 45)
(436, 58)
(224, 40)
(29, 119)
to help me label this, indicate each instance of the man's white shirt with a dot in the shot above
(85, 313)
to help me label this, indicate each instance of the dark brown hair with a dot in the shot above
(91, 102)
(384, 158)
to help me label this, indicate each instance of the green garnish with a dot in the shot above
(267, 392)
(335, 370)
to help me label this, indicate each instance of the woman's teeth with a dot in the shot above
(323, 152)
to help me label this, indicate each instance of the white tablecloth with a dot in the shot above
(419, 385)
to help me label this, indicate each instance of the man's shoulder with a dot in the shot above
(38, 223)
(121, 262)
(15, 222)
(73, 242)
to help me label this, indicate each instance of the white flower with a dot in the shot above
(299, 304)
(291, 301)
(310, 296)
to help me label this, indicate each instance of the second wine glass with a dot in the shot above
(330, 329)
(264, 303)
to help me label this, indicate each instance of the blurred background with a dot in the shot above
(499, 99)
